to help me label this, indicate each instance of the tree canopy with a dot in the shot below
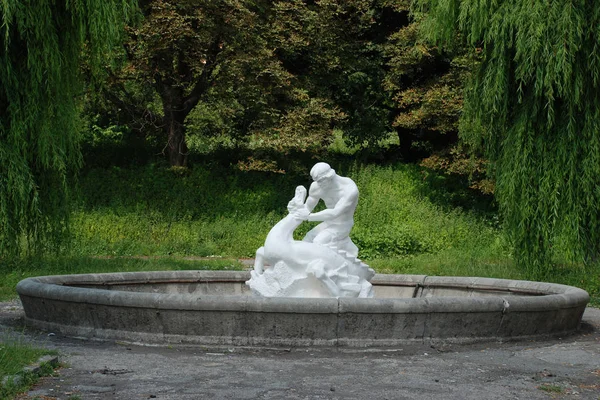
(216, 63)
(42, 43)
(285, 73)
(533, 106)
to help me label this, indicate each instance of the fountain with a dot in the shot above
(313, 292)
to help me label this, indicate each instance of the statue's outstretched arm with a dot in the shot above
(343, 205)
(313, 198)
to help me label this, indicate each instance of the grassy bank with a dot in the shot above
(13, 357)
(227, 212)
(408, 221)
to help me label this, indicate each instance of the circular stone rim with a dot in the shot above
(515, 310)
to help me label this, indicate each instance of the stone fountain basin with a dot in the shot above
(216, 308)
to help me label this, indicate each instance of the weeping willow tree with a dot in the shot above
(534, 108)
(42, 43)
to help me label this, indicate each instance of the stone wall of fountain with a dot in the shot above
(217, 308)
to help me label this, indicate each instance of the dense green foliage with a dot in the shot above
(534, 107)
(425, 85)
(41, 46)
(210, 68)
(282, 74)
(333, 49)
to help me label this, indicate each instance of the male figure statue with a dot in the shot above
(340, 195)
(324, 264)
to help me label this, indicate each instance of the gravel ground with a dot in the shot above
(558, 368)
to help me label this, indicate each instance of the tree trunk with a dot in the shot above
(177, 149)
(175, 112)
(405, 149)
(177, 105)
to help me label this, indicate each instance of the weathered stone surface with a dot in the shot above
(182, 307)
(490, 371)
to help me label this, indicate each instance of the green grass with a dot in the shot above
(546, 387)
(227, 212)
(162, 211)
(396, 218)
(13, 357)
(448, 262)
(102, 232)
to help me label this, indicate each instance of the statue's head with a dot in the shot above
(322, 172)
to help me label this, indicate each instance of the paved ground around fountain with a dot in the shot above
(566, 367)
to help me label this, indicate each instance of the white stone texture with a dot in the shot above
(324, 263)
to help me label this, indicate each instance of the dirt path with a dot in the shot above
(566, 368)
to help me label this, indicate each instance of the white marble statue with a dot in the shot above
(324, 264)
(341, 198)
